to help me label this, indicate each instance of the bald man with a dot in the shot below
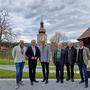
(18, 54)
(33, 53)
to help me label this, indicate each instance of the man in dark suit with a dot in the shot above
(70, 59)
(33, 53)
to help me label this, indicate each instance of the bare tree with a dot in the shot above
(6, 33)
(55, 39)
(58, 37)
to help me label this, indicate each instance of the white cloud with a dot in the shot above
(69, 16)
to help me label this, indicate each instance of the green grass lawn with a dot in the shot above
(7, 61)
(11, 74)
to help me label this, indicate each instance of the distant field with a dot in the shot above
(6, 62)
(6, 59)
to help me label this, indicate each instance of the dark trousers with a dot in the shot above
(83, 72)
(70, 71)
(19, 71)
(45, 70)
(59, 71)
(32, 70)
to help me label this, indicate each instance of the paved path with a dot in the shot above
(13, 68)
(10, 85)
(38, 69)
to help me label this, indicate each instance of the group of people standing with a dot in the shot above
(70, 56)
(63, 56)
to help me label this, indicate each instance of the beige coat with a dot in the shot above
(86, 55)
(17, 55)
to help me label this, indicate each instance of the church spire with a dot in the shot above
(42, 30)
(41, 23)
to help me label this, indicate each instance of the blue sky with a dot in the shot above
(71, 17)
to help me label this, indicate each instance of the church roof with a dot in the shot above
(86, 34)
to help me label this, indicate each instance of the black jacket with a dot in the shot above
(73, 55)
(30, 53)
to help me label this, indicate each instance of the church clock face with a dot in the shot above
(42, 38)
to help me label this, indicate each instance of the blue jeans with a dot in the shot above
(83, 72)
(19, 71)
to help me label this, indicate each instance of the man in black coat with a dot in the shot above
(70, 59)
(33, 53)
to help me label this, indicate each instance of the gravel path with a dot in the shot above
(10, 85)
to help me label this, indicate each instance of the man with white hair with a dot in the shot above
(70, 59)
(18, 54)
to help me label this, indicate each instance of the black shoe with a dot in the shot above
(36, 81)
(86, 85)
(82, 81)
(43, 80)
(72, 80)
(31, 83)
(57, 81)
(46, 82)
(61, 81)
(67, 79)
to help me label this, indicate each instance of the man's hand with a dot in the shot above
(32, 58)
(35, 58)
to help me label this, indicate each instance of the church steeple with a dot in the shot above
(41, 33)
(41, 23)
(42, 30)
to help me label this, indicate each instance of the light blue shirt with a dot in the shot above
(45, 53)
